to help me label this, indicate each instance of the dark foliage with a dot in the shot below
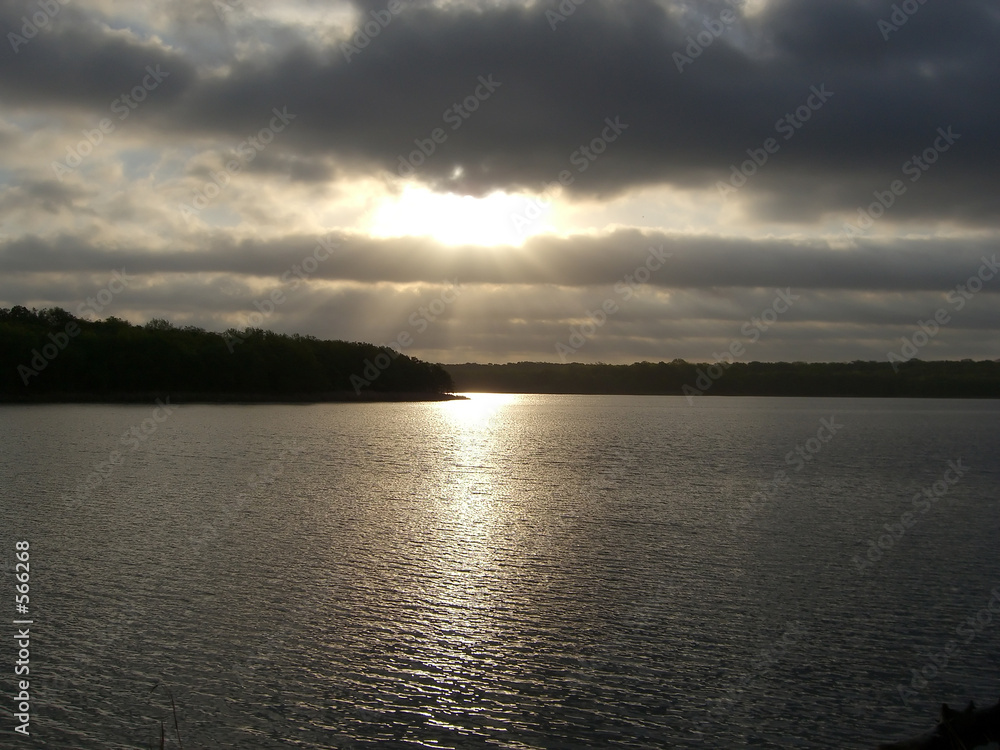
(51, 354)
(915, 378)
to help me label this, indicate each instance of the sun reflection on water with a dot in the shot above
(477, 440)
(469, 537)
(479, 410)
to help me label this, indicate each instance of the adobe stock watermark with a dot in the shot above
(922, 501)
(123, 107)
(758, 667)
(420, 319)
(967, 630)
(40, 19)
(116, 629)
(914, 168)
(901, 13)
(132, 438)
(586, 155)
(928, 329)
(752, 330)
(627, 287)
(262, 656)
(225, 7)
(786, 126)
(293, 277)
(704, 39)
(581, 158)
(796, 459)
(247, 150)
(564, 10)
(455, 115)
(269, 474)
(371, 28)
(40, 358)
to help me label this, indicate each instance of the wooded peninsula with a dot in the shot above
(50, 355)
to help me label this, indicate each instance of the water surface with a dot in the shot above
(510, 571)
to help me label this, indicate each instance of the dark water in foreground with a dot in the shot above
(510, 572)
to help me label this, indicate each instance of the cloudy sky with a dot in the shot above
(648, 174)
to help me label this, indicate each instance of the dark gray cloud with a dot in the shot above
(76, 61)
(558, 85)
(576, 261)
(50, 196)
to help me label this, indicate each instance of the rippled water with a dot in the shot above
(510, 571)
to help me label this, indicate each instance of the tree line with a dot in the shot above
(915, 378)
(50, 354)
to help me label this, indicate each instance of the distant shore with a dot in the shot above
(911, 379)
(227, 398)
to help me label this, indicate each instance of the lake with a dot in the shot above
(512, 571)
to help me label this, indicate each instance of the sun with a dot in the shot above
(495, 219)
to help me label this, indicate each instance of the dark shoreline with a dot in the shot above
(872, 379)
(327, 397)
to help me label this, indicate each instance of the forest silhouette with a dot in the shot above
(50, 355)
(916, 378)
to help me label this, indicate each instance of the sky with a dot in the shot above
(575, 181)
